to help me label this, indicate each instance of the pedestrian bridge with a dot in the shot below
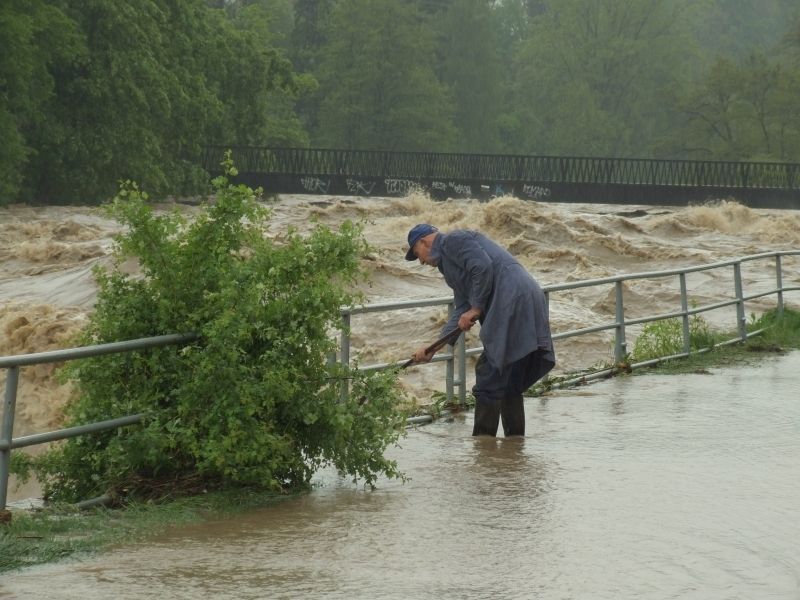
(540, 178)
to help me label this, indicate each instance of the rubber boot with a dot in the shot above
(512, 409)
(487, 416)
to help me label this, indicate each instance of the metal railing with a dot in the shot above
(564, 169)
(626, 181)
(456, 360)
(13, 364)
(455, 370)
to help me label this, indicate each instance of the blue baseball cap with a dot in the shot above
(416, 233)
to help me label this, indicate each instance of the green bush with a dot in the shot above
(780, 328)
(665, 338)
(254, 400)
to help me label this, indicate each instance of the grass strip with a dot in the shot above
(54, 533)
(781, 334)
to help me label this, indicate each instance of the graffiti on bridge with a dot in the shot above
(312, 184)
(360, 188)
(315, 185)
(535, 191)
(400, 187)
(459, 189)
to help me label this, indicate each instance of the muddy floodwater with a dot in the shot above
(47, 290)
(651, 486)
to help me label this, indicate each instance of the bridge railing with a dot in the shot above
(499, 167)
(455, 370)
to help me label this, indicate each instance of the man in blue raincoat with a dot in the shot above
(490, 286)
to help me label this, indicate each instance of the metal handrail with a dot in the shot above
(545, 168)
(458, 355)
(13, 364)
(51, 356)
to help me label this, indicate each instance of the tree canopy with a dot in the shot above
(377, 81)
(96, 91)
(93, 92)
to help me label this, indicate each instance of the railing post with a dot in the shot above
(779, 278)
(461, 348)
(620, 346)
(687, 335)
(741, 320)
(345, 353)
(7, 431)
(449, 365)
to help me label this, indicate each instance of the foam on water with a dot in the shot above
(47, 254)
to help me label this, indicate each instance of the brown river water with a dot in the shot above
(650, 487)
(47, 289)
(657, 487)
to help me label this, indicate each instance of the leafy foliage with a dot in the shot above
(36, 37)
(778, 332)
(591, 76)
(377, 81)
(94, 91)
(254, 400)
(781, 329)
(471, 68)
(665, 338)
(744, 110)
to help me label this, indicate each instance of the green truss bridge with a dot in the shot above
(540, 178)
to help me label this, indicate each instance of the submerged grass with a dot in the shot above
(50, 534)
(781, 334)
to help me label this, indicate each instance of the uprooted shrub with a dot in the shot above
(254, 400)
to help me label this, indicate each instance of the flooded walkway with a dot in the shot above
(639, 487)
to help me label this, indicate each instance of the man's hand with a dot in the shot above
(422, 356)
(467, 320)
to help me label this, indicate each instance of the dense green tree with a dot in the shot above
(251, 72)
(36, 37)
(513, 20)
(771, 93)
(472, 70)
(792, 42)
(742, 111)
(714, 110)
(377, 80)
(253, 80)
(736, 28)
(96, 91)
(274, 19)
(308, 32)
(306, 40)
(100, 90)
(591, 78)
(127, 107)
(115, 103)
